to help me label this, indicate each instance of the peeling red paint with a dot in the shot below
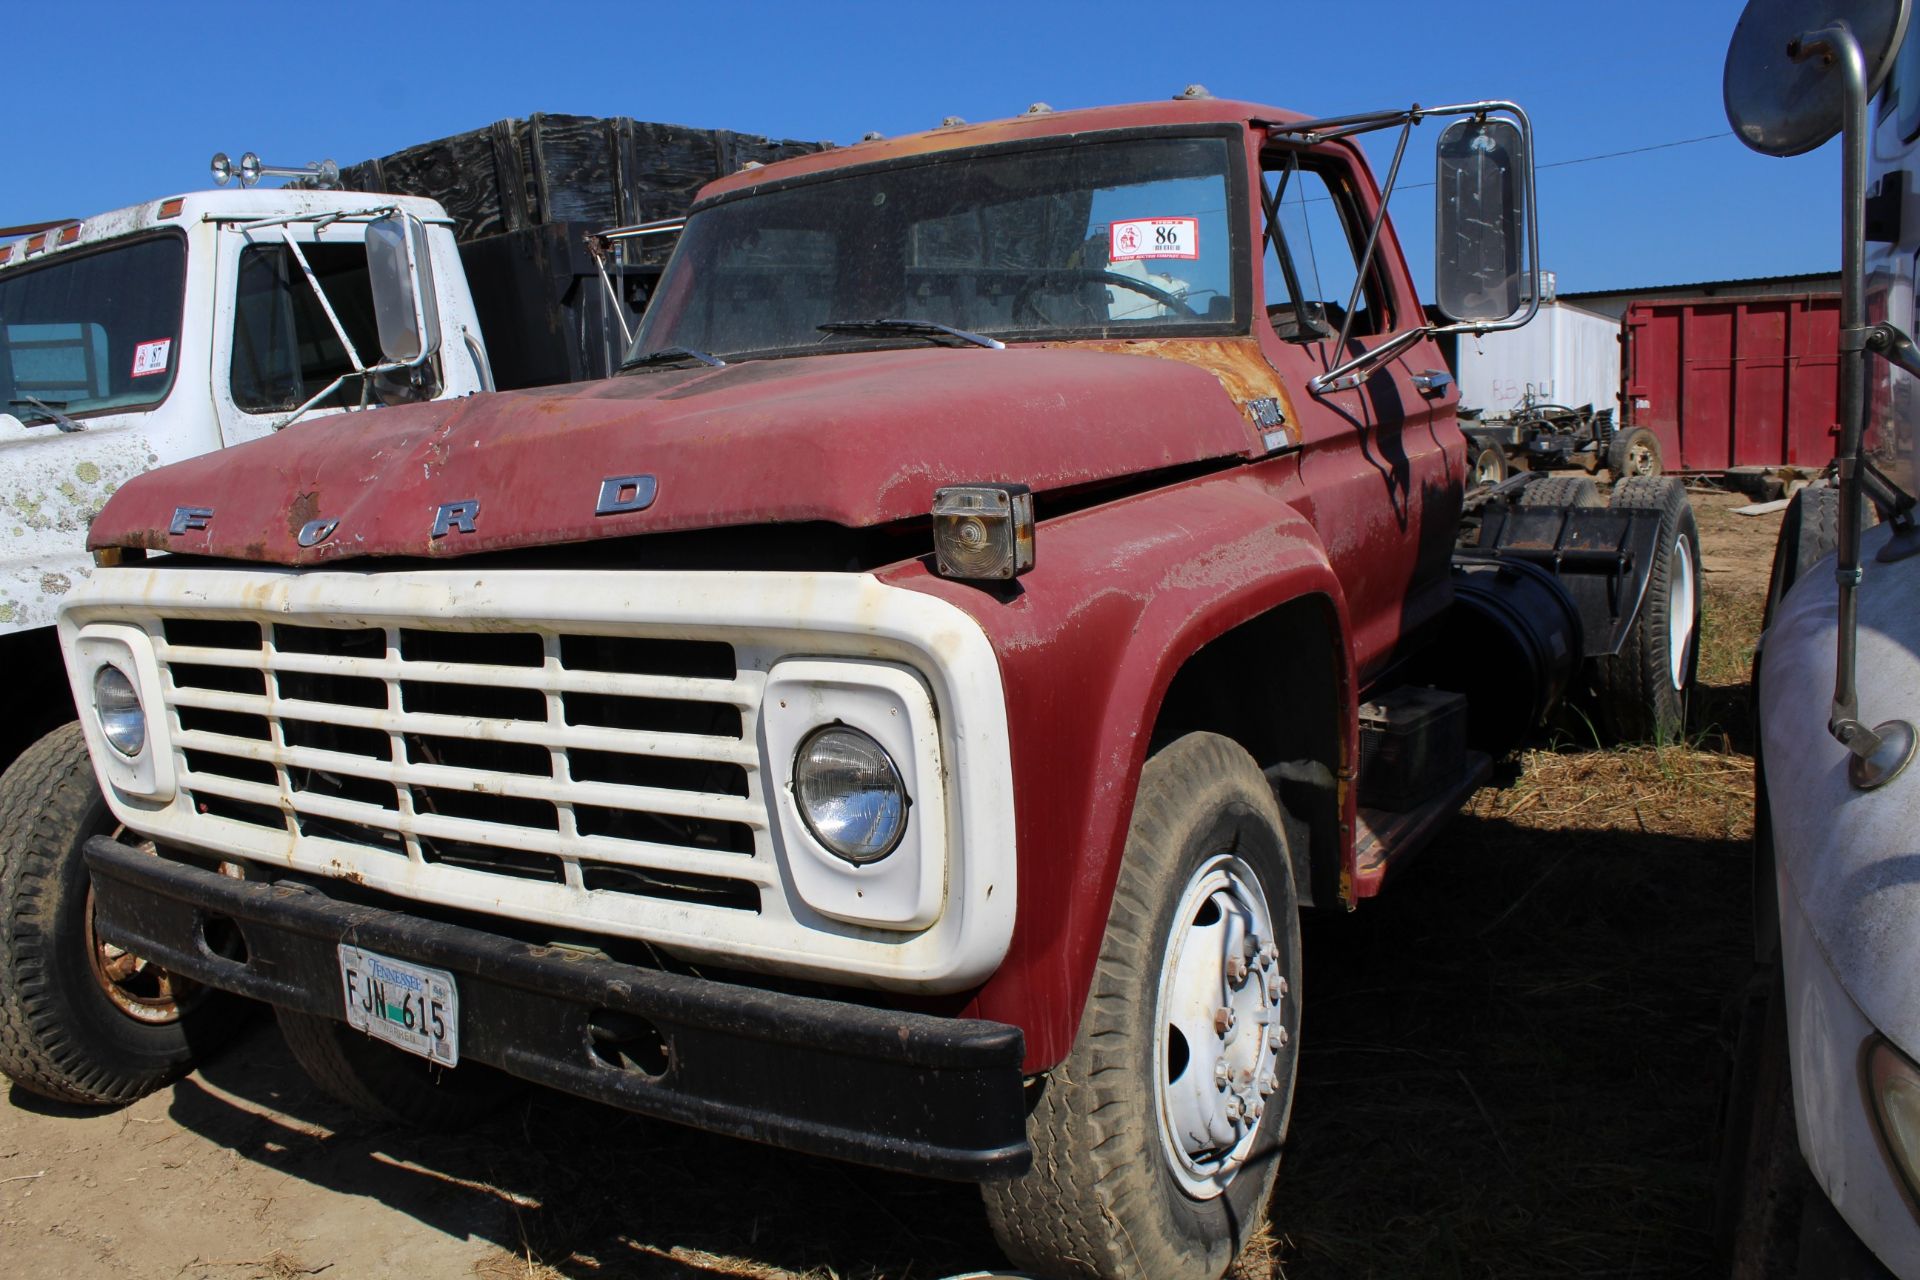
(855, 439)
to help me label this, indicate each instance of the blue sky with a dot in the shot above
(116, 103)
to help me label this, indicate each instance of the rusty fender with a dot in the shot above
(1119, 598)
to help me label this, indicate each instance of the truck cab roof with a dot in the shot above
(1033, 125)
(201, 206)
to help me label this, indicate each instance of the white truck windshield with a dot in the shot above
(92, 332)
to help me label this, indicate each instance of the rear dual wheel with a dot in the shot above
(1643, 688)
(1156, 1143)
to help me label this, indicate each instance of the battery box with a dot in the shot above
(1412, 742)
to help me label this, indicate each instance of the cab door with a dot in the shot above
(1382, 466)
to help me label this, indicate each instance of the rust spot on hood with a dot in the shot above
(305, 507)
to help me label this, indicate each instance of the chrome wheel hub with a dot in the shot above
(1219, 1025)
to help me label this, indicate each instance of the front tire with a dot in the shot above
(81, 1021)
(1156, 1143)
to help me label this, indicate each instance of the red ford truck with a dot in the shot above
(1019, 568)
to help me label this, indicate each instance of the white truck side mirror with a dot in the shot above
(400, 271)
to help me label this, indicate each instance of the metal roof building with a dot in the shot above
(1613, 302)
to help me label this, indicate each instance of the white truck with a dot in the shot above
(1821, 1163)
(128, 341)
(163, 331)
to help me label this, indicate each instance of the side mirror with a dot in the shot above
(1482, 263)
(400, 271)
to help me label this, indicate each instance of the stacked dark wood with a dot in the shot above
(555, 168)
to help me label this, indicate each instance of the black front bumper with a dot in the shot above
(914, 1092)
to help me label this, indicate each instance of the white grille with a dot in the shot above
(595, 764)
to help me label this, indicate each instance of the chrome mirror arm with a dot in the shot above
(1879, 754)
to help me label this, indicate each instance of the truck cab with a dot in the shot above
(169, 329)
(903, 715)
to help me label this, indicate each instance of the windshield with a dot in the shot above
(1113, 238)
(94, 332)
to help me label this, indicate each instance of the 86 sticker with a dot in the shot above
(1154, 238)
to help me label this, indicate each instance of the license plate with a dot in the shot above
(407, 1005)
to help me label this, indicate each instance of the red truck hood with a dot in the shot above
(855, 439)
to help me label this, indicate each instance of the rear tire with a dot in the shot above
(1633, 453)
(81, 1021)
(1560, 491)
(1642, 690)
(389, 1084)
(1143, 1169)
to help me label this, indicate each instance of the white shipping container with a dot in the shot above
(1569, 357)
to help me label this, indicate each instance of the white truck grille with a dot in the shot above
(600, 763)
(576, 748)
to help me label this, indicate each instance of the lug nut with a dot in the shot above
(1267, 1085)
(1222, 1021)
(1232, 1108)
(1269, 954)
(1276, 988)
(1237, 970)
(1221, 1074)
(1277, 1039)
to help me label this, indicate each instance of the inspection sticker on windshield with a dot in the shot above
(1155, 238)
(151, 357)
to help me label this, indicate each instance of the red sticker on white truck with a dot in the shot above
(151, 357)
(1155, 238)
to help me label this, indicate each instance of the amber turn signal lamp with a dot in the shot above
(983, 531)
(69, 234)
(171, 208)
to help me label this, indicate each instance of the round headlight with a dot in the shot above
(117, 703)
(849, 793)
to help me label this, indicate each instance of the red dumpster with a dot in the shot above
(1734, 382)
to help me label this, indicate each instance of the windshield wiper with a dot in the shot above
(54, 415)
(913, 328)
(666, 354)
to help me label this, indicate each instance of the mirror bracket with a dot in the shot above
(1351, 373)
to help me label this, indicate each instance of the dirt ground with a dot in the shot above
(1511, 1067)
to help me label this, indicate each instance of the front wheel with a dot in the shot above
(80, 1019)
(1156, 1143)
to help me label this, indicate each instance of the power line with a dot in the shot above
(1634, 151)
(1605, 155)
